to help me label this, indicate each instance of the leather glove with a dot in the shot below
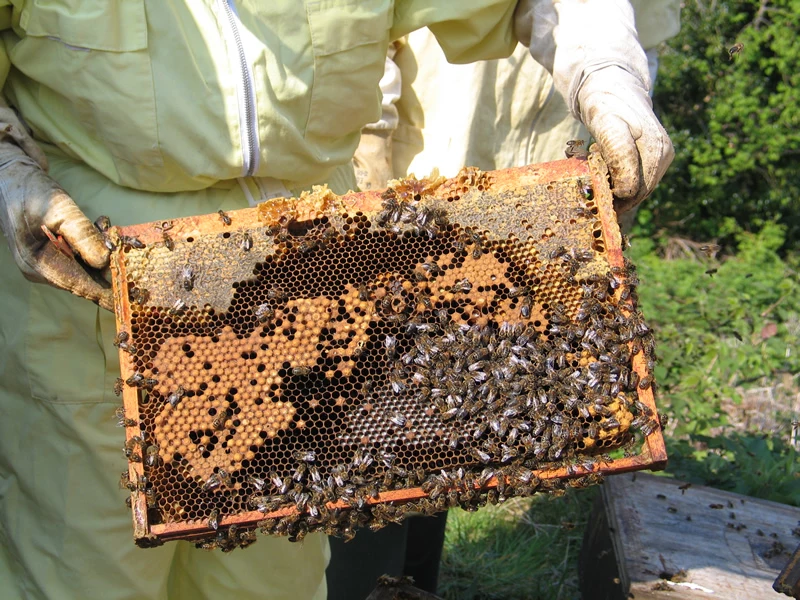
(373, 160)
(29, 199)
(598, 65)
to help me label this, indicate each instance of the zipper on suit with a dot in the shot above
(245, 90)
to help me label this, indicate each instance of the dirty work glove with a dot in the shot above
(598, 65)
(373, 160)
(29, 199)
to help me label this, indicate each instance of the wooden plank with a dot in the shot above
(709, 543)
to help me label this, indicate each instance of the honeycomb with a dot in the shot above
(329, 363)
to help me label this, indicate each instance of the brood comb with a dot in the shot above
(330, 362)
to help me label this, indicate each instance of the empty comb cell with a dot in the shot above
(333, 362)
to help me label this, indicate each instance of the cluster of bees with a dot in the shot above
(467, 382)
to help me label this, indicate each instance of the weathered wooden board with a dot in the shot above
(692, 543)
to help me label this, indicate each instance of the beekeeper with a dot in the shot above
(494, 115)
(144, 110)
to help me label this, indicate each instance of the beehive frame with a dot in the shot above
(168, 275)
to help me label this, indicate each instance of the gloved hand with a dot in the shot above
(29, 199)
(617, 110)
(598, 65)
(373, 160)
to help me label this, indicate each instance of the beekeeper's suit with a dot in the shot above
(155, 109)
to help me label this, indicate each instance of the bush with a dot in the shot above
(735, 123)
(722, 327)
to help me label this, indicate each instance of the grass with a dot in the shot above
(525, 549)
(724, 328)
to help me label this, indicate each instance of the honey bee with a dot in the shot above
(305, 456)
(264, 313)
(125, 481)
(118, 383)
(575, 149)
(226, 220)
(151, 458)
(139, 295)
(301, 371)
(219, 421)
(735, 50)
(187, 277)
(247, 242)
(135, 380)
(391, 347)
(102, 223)
(169, 244)
(213, 520)
(178, 308)
(463, 285)
(131, 242)
(176, 396)
(122, 420)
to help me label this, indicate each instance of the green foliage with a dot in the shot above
(718, 333)
(751, 464)
(735, 123)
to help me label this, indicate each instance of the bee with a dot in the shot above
(247, 242)
(139, 295)
(149, 383)
(169, 244)
(226, 220)
(176, 396)
(219, 421)
(276, 294)
(398, 419)
(396, 381)
(308, 245)
(216, 480)
(585, 188)
(257, 483)
(187, 277)
(109, 243)
(301, 371)
(122, 420)
(118, 383)
(710, 250)
(130, 446)
(366, 387)
(178, 308)
(151, 458)
(360, 349)
(135, 380)
(264, 313)
(735, 50)
(525, 307)
(305, 456)
(125, 481)
(645, 382)
(462, 285)
(213, 520)
(575, 149)
(121, 338)
(432, 268)
(711, 272)
(391, 347)
(102, 223)
(128, 241)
